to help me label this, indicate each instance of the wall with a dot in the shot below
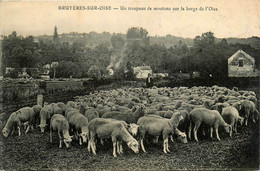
(245, 71)
(15, 94)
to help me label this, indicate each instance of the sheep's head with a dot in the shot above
(228, 129)
(5, 132)
(42, 127)
(84, 136)
(133, 129)
(67, 141)
(134, 145)
(182, 137)
(177, 116)
(241, 120)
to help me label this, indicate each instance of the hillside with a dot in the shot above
(93, 39)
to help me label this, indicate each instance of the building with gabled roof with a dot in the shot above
(142, 71)
(241, 64)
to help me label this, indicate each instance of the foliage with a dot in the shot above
(94, 73)
(207, 56)
(117, 41)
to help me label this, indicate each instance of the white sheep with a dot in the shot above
(25, 114)
(78, 123)
(106, 128)
(155, 125)
(231, 116)
(210, 118)
(60, 124)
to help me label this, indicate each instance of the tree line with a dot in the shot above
(206, 56)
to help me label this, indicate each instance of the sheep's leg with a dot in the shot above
(114, 146)
(211, 132)
(32, 127)
(235, 126)
(102, 142)
(189, 133)
(203, 130)
(60, 146)
(216, 129)
(196, 127)
(92, 144)
(142, 145)
(12, 131)
(155, 140)
(27, 129)
(121, 147)
(80, 138)
(117, 147)
(19, 131)
(172, 138)
(89, 141)
(167, 145)
(50, 135)
(246, 121)
(80, 141)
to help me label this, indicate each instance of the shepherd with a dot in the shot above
(149, 81)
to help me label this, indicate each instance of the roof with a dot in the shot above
(144, 67)
(240, 53)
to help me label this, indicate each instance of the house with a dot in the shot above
(142, 71)
(241, 64)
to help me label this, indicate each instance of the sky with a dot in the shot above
(233, 18)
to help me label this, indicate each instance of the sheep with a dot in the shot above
(128, 117)
(248, 109)
(45, 115)
(114, 129)
(91, 114)
(37, 109)
(165, 114)
(25, 114)
(210, 118)
(181, 136)
(79, 123)
(156, 126)
(60, 124)
(231, 116)
(132, 129)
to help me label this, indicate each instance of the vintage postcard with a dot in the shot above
(129, 84)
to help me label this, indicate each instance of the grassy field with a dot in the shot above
(34, 152)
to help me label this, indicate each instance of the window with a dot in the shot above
(240, 63)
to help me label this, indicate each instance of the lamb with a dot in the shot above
(156, 126)
(128, 117)
(114, 129)
(210, 118)
(79, 123)
(231, 116)
(25, 114)
(60, 124)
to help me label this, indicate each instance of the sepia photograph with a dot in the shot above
(129, 85)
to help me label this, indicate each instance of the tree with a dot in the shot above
(55, 35)
(206, 39)
(138, 35)
(94, 73)
(117, 41)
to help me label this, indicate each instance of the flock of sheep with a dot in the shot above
(129, 114)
